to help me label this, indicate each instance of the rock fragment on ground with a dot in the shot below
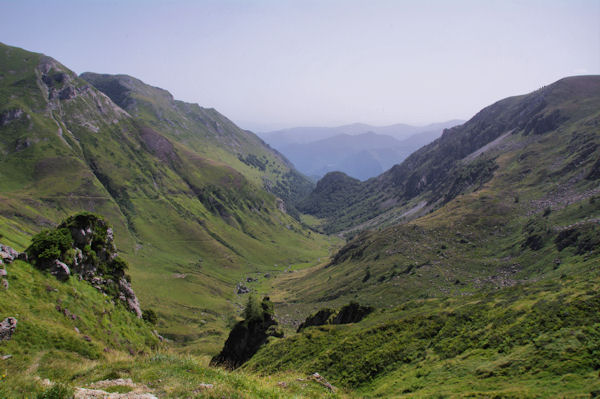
(321, 380)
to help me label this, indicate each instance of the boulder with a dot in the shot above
(8, 253)
(60, 270)
(7, 328)
(242, 289)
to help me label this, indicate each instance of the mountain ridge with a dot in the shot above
(432, 164)
(359, 150)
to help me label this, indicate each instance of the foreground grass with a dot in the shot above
(538, 340)
(164, 374)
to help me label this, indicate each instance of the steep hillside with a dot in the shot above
(462, 159)
(206, 132)
(190, 225)
(484, 291)
(64, 334)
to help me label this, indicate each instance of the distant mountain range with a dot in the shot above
(359, 150)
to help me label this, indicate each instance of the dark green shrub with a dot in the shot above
(367, 275)
(49, 244)
(149, 316)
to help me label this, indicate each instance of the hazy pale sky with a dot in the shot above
(270, 64)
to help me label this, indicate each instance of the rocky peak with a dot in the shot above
(83, 245)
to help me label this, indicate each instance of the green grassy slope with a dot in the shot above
(69, 333)
(60, 324)
(543, 195)
(532, 340)
(207, 133)
(189, 225)
(502, 274)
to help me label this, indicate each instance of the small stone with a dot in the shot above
(50, 288)
(5, 284)
(76, 330)
(205, 386)
(3, 272)
(282, 384)
(87, 338)
(5, 357)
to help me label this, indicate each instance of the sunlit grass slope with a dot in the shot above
(191, 222)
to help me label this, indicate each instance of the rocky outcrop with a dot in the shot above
(83, 245)
(59, 270)
(10, 115)
(320, 318)
(7, 256)
(241, 289)
(7, 328)
(248, 335)
(351, 313)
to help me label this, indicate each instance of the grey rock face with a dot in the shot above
(60, 270)
(7, 328)
(242, 289)
(7, 116)
(8, 254)
(129, 297)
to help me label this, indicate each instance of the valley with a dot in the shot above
(473, 262)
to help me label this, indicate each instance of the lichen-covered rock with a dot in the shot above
(7, 328)
(128, 296)
(60, 270)
(8, 254)
(83, 246)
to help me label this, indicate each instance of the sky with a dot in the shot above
(284, 63)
